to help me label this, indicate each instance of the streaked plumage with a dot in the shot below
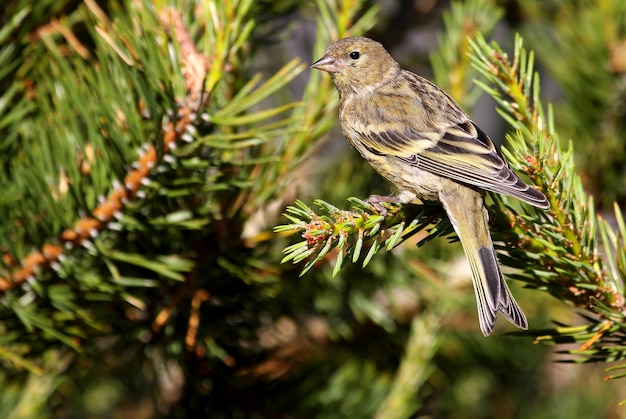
(419, 139)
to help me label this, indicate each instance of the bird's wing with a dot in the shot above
(461, 152)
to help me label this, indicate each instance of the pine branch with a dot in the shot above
(85, 246)
(358, 234)
(558, 252)
(194, 68)
(583, 44)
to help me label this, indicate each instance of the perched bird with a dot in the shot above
(418, 138)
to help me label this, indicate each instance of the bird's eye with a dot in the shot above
(355, 55)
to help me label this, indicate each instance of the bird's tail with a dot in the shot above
(469, 218)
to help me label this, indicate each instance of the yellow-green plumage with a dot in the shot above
(419, 139)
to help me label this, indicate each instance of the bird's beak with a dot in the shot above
(328, 64)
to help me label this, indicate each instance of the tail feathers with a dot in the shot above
(469, 218)
(493, 294)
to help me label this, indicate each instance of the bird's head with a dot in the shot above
(357, 65)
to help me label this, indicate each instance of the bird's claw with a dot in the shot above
(376, 200)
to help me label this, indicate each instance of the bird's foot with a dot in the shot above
(376, 200)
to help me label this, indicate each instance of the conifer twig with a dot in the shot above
(194, 68)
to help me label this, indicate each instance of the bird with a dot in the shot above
(419, 139)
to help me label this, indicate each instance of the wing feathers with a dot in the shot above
(462, 153)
